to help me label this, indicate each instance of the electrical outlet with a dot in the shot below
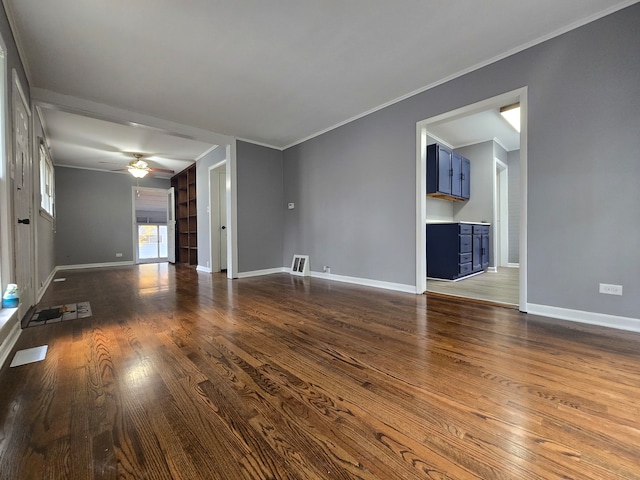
(118, 255)
(609, 289)
(291, 205)
(326, 269)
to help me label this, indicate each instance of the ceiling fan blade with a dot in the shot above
(162, 170)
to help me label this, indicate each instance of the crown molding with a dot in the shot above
(508, 53)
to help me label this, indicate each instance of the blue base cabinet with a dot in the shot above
(457, 250)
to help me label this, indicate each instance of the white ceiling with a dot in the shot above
(269, 72)
(475, 128)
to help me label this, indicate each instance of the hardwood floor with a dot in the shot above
(184, 375)
(498, 287)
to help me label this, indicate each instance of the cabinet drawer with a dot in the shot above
(481, 229)
(465, 257)
(465, 268)
(465, 229)
(465, 243)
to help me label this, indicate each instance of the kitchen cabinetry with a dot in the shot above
(184, 184)
(457, 250)
(448, 174)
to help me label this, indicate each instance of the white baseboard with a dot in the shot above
(513, 265)
(398, 287)
(259, 273)
(9, 342)
(94, 265)
(591, 318)
(203, 269)
(46, 284)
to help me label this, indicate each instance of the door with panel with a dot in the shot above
(22, 192)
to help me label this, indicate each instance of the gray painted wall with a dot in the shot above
(261, 208)
(355, 185)
(202, 193)
(479, 208)
(94, 215)
(514, 205)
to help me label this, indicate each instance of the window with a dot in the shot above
(46, 181)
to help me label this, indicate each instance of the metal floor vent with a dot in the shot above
(300, 265)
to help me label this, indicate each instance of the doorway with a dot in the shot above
(218, 220)
(151, 219)
(424, 134)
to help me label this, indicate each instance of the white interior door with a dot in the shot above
(171, 225)
(222, 205)
(22, 202)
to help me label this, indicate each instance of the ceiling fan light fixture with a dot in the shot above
(511, 114)
(138, 172)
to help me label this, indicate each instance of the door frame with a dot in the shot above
(501, 214)
(214, 219)
(421, 184)
(134, 220)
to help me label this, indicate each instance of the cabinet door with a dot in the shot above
(444, 170)
(477, 253)
(456, 174)
(465, 177)
(485, 251)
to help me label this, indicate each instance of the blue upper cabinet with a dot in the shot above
(465, 178)
(447, 174)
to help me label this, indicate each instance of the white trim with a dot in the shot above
(497, 58)
(134, 223)
(205, 153)
(524, 198)
(260, 144)
(580, 316)
(259, 273)
(215, 189)
(82, 266)
(6, 154)
(232, 211)
(203, 269)
(513, 265)
(421, 184)
(10, 341)
(398, 287)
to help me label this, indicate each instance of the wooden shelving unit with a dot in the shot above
(184, 184)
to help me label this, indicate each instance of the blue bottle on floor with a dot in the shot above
(10, 297)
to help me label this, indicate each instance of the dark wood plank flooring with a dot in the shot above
(183, 375)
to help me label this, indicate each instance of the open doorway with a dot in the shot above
(490, 196)
(151, 218)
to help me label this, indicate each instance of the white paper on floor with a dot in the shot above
(30, 355)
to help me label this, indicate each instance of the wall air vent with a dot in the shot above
(300, 265)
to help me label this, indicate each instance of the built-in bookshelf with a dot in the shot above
(184, 184)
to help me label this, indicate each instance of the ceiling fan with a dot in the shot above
(139, 168)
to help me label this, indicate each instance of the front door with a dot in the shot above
(22, 202)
